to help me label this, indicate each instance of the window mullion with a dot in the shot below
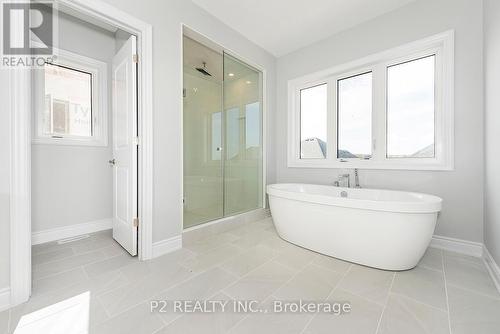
(379, 114)
(332, 134)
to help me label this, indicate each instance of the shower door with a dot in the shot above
(202, 119)
(222, 135)
(242, 137)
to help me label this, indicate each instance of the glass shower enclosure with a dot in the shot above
(223, 157)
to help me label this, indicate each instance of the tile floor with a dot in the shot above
(445, 293)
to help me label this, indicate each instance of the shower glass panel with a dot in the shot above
(203, 183)
(242, 87)
(223, 173)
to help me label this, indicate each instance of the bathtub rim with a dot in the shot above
(430, 204)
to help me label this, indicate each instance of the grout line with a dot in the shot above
(329, 295)
(419, 302)
(446, 293)
(385, 304)
(474, 291)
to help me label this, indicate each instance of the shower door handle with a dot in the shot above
(219, 149)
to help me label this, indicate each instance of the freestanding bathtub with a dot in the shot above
(378, 228)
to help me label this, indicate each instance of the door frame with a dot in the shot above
(20, 145)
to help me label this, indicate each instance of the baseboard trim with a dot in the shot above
(4, 299)
(457, 245)
(54, 234)
(492, 267)
(167, 246)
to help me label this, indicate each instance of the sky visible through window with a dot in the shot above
(355, 116)
(410, 113)
(410, 109)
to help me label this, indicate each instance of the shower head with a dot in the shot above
(203, 70)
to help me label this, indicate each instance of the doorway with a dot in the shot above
(223, 133)
(21, 83)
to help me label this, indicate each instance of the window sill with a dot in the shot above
(376, 165)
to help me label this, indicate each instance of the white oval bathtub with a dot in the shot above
(378, 228)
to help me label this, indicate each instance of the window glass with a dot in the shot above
(68, 102)
(410, 109)
(313, 127)
(355, 117)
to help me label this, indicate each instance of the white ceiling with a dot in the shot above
(283, 26)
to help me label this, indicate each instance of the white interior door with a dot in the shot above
(125, 146)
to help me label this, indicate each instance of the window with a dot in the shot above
(392, 110)
(70, 101)
(313, 122)
(410, 109)
(354, 108)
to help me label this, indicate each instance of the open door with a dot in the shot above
(125, 153)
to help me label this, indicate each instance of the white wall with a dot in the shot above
(492, 122)
(166, 18)
(73, 184)
(4, 180)
(462, 189)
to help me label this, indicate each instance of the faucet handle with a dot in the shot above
(336, 184)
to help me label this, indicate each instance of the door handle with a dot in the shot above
(112, 162)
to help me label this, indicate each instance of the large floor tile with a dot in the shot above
(260, 283)
(253, 238)
(51, 300)
(363, 317)
(403, 315)
(201, 286)
(210, 242)
(211, 259)
(473, 313)
(469, 274)
(432, 259)
(94, 243)
(138, 319)
(56, 267)
(249, 260)
(295, 257)
(111, 264)
(58, 281)
(370, 283)
(422, 284)
(138, 291)
(331, 263)
(272, 324)
(54, 255)
(312, 283)
(140, 269)
(207, 323)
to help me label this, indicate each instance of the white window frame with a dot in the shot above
(442, 46)
(99, 73)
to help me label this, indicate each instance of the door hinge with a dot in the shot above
(136, 222)
(135, 58)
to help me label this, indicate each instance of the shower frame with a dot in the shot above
(203, 39)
